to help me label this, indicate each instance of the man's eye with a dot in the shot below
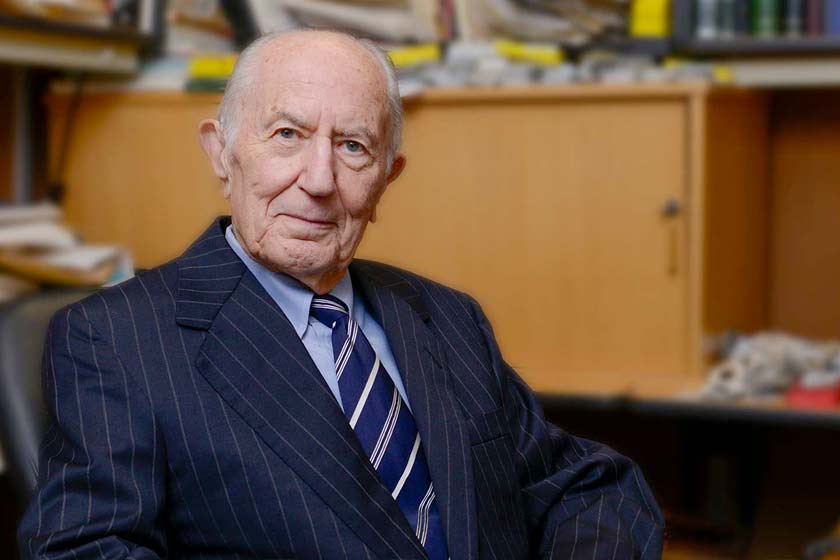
(354, 147)
(287, 133)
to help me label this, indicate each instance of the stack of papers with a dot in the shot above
(94, 13)
(572, 23)
(393, 21)
(37, 250)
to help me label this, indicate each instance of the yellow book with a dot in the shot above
(414, 55)
(212, 67)
(535, 53)
(650, 18)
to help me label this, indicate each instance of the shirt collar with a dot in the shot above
(294, 298)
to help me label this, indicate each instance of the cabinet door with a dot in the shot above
(549, 212)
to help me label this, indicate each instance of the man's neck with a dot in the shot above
(323, 283)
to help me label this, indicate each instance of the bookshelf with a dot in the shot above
(806, 35)
(28, 43)
(53, 44)
(757, 46)
(117, 33)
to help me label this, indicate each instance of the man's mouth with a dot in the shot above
(310, 220)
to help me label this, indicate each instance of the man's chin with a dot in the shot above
(303, 259)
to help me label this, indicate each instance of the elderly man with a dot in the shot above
(265, 395)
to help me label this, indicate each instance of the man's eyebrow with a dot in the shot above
(362, 132)
(296, 120)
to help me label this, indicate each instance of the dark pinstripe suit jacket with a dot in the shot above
(188, 421)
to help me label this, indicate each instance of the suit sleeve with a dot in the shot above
(582, 499)
(101, 463)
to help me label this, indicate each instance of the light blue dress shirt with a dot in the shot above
(295, 300)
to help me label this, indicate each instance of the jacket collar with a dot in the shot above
(208, 272)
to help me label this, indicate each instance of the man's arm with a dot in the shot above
(582, 499)
(101, 465)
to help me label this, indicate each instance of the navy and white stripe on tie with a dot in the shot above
(383, 424)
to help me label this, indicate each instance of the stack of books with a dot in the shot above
(92, 13)
(133, 15)
(400, 22)
(194, 26)
(766, 19)
(37, 250)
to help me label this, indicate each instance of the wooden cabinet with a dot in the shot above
(599, 227)
(577, 216)
(549, 211)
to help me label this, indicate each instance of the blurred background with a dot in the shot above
(661, 178)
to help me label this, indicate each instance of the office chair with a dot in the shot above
(23, 418)
(822, 549)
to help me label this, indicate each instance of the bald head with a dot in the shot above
(302, 52)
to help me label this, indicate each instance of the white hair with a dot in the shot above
(241, 78)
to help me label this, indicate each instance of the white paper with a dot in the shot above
(82, 257)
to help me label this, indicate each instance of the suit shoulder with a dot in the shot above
(150, 289)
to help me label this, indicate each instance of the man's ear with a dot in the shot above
(396, 168)
(213, 144)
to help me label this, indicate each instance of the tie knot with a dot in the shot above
(328, 309)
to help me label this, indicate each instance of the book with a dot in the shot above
(32, 268)
(742, 17)
(707, 19)
(82, 257)
(36, 235)
(650, 18)
(765, 17)
(17, 213)
(831, 17)
(814, 17)
(727, 16)
(815, 390)
(91, 13)
(401, 22)
(793, 22)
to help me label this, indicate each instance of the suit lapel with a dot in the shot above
(254, 359)
(399, 310)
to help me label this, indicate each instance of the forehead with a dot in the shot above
(320, 77)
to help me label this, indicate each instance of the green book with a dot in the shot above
(765, 17)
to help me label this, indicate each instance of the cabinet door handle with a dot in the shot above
(671, 208)
(670, 211)
(673, 249)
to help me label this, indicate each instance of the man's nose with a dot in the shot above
(318, 177)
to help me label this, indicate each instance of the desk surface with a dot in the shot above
(677, 399)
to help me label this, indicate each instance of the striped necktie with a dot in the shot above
(383, 423)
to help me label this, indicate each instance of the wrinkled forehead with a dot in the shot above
(317, 77)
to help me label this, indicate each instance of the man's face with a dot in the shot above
(308, 164)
